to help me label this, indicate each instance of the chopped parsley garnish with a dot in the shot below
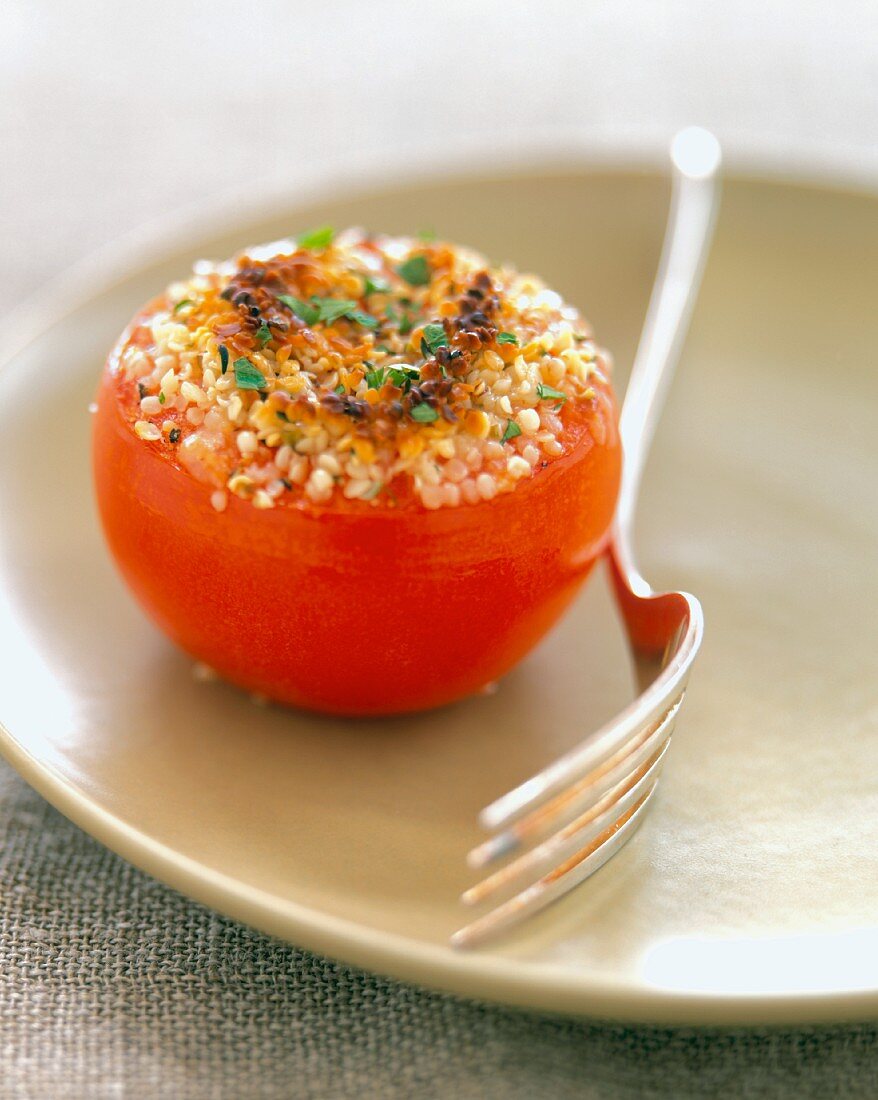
(327, 310)
(317, 238)
(424, 413)
(549, 393)
(403, 376)
(310, 314)
(183, 304)
(333, 308)
(361, 318)
(263, 334)
(375, 286)
(224, 358)
(376, 377)
(339, 388)
(162, 397)
(415, 271)
(512, 430)
(403, 321)
(248, 377)
(434, 338)
(507, 338)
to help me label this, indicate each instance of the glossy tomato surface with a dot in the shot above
(355, 608)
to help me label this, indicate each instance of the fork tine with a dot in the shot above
(558, 881)
(647, 708)
(578, 832)
(586, 790)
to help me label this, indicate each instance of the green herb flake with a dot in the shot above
(183, 304)
(162, 397)
(434, 338)
(224, 358)
(333, 308)
(403, 376)
(339, 388)
(512, 430)
(309, 313)
(376, 378)
(330, 310)
(424, 413)
(248, 377)
(404, 321)
(263, 334)
(507, 338)
(415, 271)
(317, 238)
(375, 286)
(361, 318)
(549, 393)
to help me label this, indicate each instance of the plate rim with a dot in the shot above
(492, 979)
(534, 986)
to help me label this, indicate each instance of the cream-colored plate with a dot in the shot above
(751, 893)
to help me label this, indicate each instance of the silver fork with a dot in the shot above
(581, 809)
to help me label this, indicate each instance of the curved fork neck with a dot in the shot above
(695, 156)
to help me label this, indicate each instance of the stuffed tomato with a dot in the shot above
(355, 473)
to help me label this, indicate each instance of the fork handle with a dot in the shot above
(696, 158)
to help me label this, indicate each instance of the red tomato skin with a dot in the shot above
(354, 609)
